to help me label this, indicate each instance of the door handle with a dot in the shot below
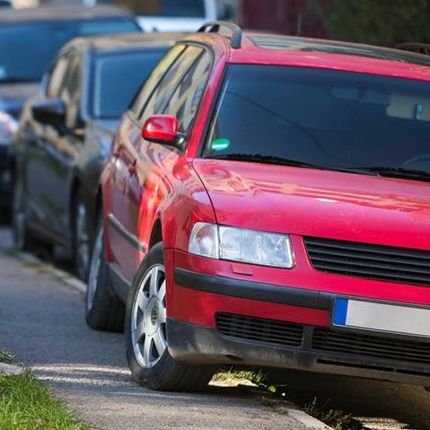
(132, 168)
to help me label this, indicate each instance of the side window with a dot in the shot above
(148, 86)
(186, 98)
(163, 91)
(56, 79)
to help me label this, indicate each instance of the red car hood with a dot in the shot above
(328, 204)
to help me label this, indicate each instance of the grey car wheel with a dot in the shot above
(103, 309)
(146, 325)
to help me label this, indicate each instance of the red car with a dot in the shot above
(267, 203)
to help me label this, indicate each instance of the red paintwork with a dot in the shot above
(160, 128)
(176, 191)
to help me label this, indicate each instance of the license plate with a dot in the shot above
(381, 317)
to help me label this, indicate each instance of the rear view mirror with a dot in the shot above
(161, 129)
(52, 111)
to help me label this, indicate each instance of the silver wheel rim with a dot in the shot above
(148, 318)
(94, 271)
(82, 241)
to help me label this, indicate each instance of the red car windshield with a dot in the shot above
(325, 119)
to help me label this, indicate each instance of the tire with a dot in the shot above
(81, 243)
(148, 356)
(103, 309)
(22, 238)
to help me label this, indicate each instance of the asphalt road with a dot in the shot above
(41, 320)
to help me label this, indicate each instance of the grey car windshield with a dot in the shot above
(322, 118)
(117, 77)
(27, 49)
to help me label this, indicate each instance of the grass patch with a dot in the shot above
(256, 378)
(11, 251)
(6, 357)
(27, 404)
(39, 266)
(335, 418)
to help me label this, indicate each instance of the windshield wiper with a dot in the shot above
(398, 172)
(273, 159)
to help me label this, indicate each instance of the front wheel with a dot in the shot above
(145, 333)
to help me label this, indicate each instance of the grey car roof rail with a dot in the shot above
(215, 26)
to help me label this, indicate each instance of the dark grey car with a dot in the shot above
(29, 40)
(65, 135)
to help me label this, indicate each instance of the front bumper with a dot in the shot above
(6, 184)
(240, 337)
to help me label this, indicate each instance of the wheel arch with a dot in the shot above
(156, 234)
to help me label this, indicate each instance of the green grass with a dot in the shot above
(335, 418)
(6, 357)
(27, 404)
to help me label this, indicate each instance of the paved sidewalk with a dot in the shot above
(42, 321)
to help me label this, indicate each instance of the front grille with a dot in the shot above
(259, 329)
(365, 345)
(408, 266)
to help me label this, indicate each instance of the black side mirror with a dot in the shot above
(51, 111)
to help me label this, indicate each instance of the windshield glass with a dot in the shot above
(321, 118)
(169, 8)
(117, 77)
(27, 49)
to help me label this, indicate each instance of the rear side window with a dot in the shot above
(167, 85)
(186, 98)
(154, 78)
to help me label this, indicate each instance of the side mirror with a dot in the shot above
(161, 129)
(52, 112)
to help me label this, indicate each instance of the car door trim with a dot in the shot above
(122, 231)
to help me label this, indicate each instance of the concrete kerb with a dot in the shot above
(10, 369)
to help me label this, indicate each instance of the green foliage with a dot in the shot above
(26, 404)
(6, 357)
(381, 22)
(335, 418)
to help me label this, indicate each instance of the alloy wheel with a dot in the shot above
(148, 318)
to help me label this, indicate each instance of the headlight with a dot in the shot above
(8, 127)
(242, 245)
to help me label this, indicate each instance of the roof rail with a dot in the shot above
(421, 48)
(215, 26)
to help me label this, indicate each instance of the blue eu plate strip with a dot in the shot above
(340, 311)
